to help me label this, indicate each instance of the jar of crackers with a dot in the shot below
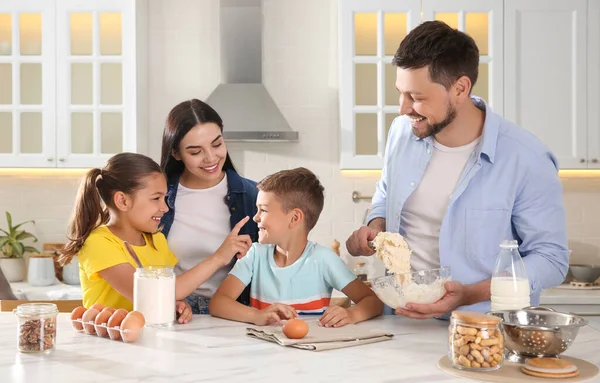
(476, 342)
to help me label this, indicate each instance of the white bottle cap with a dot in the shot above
(509, 244)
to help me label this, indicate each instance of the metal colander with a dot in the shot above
(537, 332)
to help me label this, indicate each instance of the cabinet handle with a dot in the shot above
(582, 160)
(61, 159)
(50, 159)
(594, 160)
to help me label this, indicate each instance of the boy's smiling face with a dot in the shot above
(273, 222)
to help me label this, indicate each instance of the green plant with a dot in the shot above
(11, 244)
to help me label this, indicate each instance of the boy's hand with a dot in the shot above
(234, 244)
(335, 316)
(183, 311)
(275, 314)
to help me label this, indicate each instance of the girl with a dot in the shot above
(206, 197)
(125, 201)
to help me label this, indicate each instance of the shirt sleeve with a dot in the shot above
(100, 252)
(539, 220)
(244, 267)
(378, 202)
(335, 271)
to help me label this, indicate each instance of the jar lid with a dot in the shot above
(27, 309)
(360, 264)
(475, 317)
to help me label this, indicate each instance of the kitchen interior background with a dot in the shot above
(300, 70)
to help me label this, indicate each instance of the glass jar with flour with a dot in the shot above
(154, 295)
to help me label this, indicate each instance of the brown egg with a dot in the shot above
(115, 321)
(89, 316)
(295, 329)
(97, 306)
(101, 321)
(131, 327)
(76, 314)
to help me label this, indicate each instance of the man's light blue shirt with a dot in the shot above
(509, 189)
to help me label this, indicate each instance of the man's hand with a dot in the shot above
(455, 297)
(358, 243)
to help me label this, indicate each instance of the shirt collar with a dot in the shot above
(489, 137)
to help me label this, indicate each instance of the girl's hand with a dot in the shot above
(234, 244)
(183, 311)
(275, 313)
(335, 316)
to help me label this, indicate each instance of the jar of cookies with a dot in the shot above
(476, 342)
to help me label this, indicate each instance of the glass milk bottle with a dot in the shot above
(154, 295)
(510, 284)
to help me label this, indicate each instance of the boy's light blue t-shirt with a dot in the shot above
(305, 285)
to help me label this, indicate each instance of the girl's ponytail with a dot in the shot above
(88, 215)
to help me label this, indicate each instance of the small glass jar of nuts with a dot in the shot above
(476, 342)
(37, 327)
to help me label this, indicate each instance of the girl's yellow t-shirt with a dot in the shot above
(101, 250)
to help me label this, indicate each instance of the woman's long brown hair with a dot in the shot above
(123, 172)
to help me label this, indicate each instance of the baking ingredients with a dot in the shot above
(475, 342)
(550, 368)
(412, 293)
(295, 329)
(37, 327)
(101, 321)
(131, 326)
(115, 321)
(154, 294)
(89, 316)
(393, 251)
(76, 314)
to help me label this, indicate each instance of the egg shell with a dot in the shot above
(89, 316)
(76, 314)
(101, 322)
(295, 329)
(115, 320)
(139, 315)
(97, 306)
(131, 327)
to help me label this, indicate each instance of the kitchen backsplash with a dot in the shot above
(300, 72)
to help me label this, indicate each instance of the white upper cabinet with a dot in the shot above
(370, 33)
(539, 67)
(74, 99)
(482, 20)
(545, 87)
(27, 83)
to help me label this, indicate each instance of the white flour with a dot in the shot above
(393, 251)
(154, 297)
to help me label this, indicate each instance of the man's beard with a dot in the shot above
(433, 129)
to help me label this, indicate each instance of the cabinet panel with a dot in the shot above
(545, 78)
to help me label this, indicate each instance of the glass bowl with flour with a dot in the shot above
(403, 286)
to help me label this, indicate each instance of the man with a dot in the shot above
(458, 179)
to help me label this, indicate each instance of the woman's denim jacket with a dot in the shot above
(241, 200)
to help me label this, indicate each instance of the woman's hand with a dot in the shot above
(184, 312)
(234, 244)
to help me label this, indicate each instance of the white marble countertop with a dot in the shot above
(56, 291)
(210, 349)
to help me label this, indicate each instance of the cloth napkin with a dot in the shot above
(321, 338)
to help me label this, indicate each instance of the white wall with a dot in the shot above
(300, 72)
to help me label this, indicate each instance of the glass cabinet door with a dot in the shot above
(371, 32)
(483, 21)
(27, 83)
(96, 59)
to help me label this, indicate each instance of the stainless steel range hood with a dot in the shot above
(248, 111)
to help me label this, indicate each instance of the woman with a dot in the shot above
(206, 196)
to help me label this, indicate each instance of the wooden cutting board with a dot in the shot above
(511, 372)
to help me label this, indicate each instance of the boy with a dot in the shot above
(288, 274)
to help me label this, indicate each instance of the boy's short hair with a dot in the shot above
(298, 189)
